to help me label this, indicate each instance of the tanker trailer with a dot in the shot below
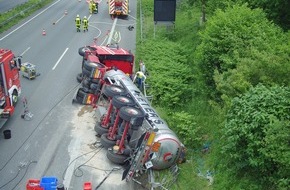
(168, 145)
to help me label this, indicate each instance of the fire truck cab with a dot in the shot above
(119, 7)
(10, 88)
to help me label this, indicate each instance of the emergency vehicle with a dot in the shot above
(119, 7)
(10, 88)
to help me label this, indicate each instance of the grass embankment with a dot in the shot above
(15, 15)
(204, 117)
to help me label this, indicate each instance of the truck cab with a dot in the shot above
(10, 88)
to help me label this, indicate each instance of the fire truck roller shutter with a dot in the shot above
(82, 50)
(113, 90)
(120, 101)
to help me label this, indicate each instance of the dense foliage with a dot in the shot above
(276, 10)
(257, 134)
(171, 76)
(241, 48)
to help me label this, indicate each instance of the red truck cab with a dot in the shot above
(10, 88)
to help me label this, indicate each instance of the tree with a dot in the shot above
(257, 133)
(170, 78)
(240, 39)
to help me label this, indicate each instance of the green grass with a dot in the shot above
(15, 15)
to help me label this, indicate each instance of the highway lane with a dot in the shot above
(56, 134)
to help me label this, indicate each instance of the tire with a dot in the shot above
(94, 86)
(91, 65)
(14, 97)
(80, 77)
(100, 130)
(116, 158)
(107, 143)
(86, 72)
(81, 93)
(127, 113)
(86, 83)
(113, 90)
(120, 101)
(83, 49)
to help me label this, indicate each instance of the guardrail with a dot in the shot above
(21, 13)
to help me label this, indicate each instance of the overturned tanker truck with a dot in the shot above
(130, 129)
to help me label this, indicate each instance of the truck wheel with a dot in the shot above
(91, 65)
(14, 97)
(86, 83)
(82, 50)
(100, 130)
(94, 86)
(120, 101)
(80, 77)
(116, 158)
(113, 90)
(86, 72)
(127, 113)
(107, 143)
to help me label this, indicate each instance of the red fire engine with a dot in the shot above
(119, 7)
(10, 88)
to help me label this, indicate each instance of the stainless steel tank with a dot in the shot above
(170, 146)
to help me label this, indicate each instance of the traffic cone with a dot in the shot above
(65, 12)
(43, 32)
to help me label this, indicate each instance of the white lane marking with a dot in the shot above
(26, 147)
(24, 51)
(27, 21)
(60, 58)
(59, 19)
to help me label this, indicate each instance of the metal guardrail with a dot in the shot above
(21, 13)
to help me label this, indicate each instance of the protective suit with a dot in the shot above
(78, 22)
(85, 24)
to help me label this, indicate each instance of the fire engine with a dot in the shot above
(118, 7)
(10, 88)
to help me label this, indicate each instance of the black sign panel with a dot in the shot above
(164, 10)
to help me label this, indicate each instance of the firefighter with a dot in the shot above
(140, 79)
(93, 7)
(85, 24)
(78, 22)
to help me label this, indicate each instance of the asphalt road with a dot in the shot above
(7, 5)
(61, 135)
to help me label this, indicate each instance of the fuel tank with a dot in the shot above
(169, 145)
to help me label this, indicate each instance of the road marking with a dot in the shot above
(26, 147)
(59, 19)
(24, 51)
(27, 21)
(60, 58)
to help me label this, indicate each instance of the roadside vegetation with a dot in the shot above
(223, 87)
(14, 16)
